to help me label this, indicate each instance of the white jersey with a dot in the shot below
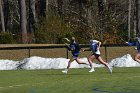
(93, 46)
(138, 44)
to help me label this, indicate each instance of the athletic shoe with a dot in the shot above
(65, 71)
(92, 70)
(110, 69)
(87, 64)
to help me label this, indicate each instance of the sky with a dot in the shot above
(36, 62)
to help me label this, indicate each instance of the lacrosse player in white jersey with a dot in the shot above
(95, 48)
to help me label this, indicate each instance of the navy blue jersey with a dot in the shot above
(136, 43)
(75, 48)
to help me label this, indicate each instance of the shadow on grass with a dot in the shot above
(100, 90)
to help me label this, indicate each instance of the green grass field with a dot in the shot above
(122, 80)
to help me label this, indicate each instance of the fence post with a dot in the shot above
(67, 53)
(29, 52)
(106, 53)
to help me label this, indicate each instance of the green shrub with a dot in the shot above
(6, 38)
(51, 29)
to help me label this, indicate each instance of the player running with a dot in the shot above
(137, 43)
(75, 50)
(94, 47)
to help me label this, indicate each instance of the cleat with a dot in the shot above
(65, 71)
(92, 70)
(110, 69)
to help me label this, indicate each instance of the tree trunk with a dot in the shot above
(42, 8)
(23, 21)
(135, 31)
(47, 6)
(102, 9)
(60, 7)
(138, 16)
(2, 16)
(129, 19)
(32, 20)
(6, 14)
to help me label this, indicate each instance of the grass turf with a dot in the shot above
(122, 80)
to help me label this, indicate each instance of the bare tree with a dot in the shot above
(47, 6)
(60, 6)
(23, 20)
(129, 19)
(32, 20)
(6, 13)
(2, 16)
(138, 15)
(102, 9)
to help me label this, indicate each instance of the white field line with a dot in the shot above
(10, 86)
(15, 86)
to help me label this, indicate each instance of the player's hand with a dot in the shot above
(82, 50)
(126, 42)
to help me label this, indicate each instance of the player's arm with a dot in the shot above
(66, 41)
(130, 43)
(68, 47)
(79, 47)
(88, 49)
(99, 44)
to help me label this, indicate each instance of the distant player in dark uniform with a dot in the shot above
(75, 50)
(137, 44)
(94, 47)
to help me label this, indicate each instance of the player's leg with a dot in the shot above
(101, 60)
(90, 60)
(104, 63)
(69, 63)
(137, 57)
(79, 61)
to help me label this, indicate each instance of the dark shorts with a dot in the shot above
(96, 55)
(75, 55)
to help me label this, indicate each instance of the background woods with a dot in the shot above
(47, 21)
